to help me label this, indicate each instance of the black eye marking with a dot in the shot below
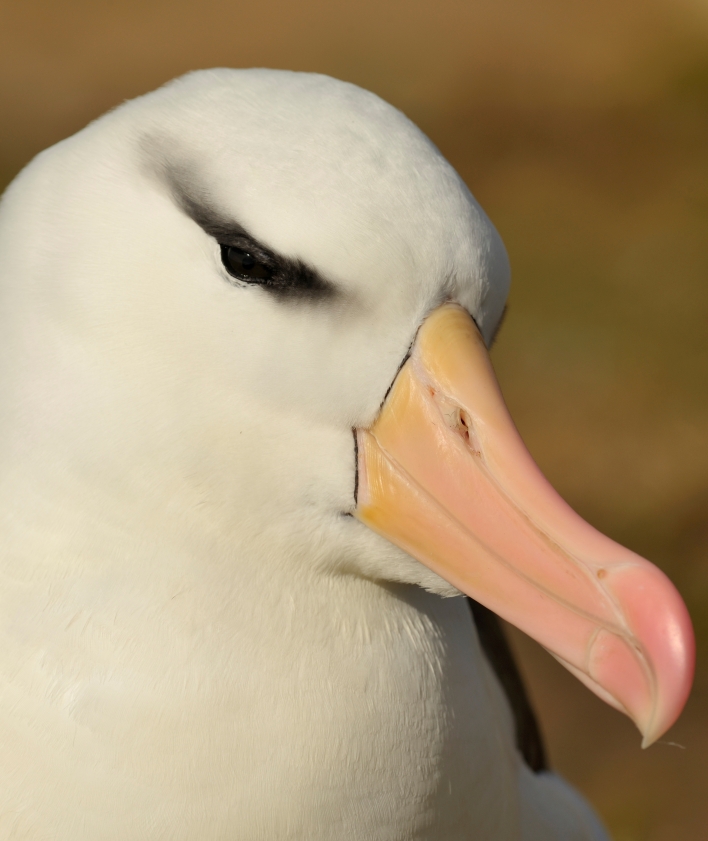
(249, 261)
(245, 259)
(245, 266)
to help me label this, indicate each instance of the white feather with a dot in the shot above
(195, 641)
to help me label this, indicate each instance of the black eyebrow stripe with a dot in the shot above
(292, 279)
(208, 219)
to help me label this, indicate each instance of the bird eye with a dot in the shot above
(243, 265)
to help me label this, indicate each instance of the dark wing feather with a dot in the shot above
(496, 648)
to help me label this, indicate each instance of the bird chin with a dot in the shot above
(375, 558)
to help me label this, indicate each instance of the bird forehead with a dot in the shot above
(309, 129)
(315, 169)
(304, 160)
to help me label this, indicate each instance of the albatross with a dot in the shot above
(252, 454)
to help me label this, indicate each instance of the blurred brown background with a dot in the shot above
(582, 127)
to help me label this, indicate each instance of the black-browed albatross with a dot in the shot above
(251, 449)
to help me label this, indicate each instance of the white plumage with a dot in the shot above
(196, 642)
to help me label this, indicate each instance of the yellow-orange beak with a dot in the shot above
(444, 474)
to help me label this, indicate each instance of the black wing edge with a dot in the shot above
(501, 658)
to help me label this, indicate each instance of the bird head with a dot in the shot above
(270, 296)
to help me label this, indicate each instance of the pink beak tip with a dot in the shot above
(444, 474)
(658, 616)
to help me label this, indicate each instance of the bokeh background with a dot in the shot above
(582, 128)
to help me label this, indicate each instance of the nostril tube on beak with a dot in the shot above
(458, 420)
(445, 475)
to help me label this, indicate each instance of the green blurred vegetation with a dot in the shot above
(583, 131)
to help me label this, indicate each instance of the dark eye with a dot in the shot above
(242, 265)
